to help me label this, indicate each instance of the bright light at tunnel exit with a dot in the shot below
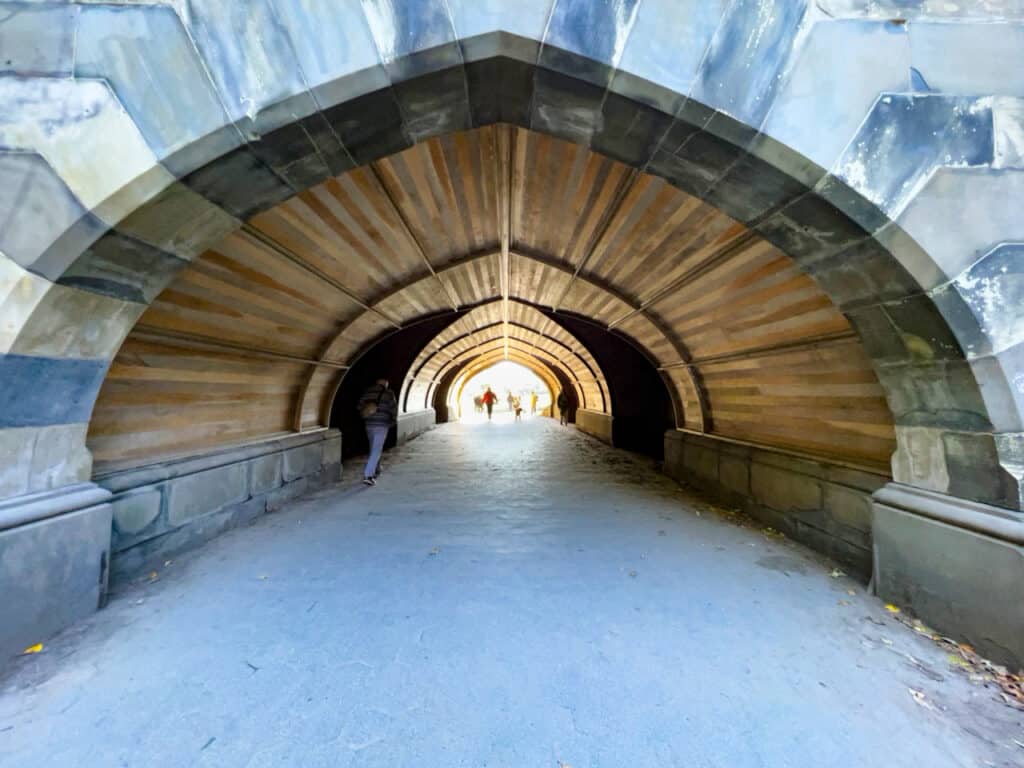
(504, 378)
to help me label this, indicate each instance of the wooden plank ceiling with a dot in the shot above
(252, 338)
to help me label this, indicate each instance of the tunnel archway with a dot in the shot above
(192, 272)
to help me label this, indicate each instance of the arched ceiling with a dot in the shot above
(254, 335)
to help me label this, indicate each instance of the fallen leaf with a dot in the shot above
(33, 649)
(891, 608)
(435, 551)
(632, 574)
(844, 602)
(836, 573)
(153, 575)
(958, 661)
(919, 698)
(885, 641)
(263, 577)
(850, 592)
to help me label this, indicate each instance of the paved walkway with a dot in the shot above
(509, 595)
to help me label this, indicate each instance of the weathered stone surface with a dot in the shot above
(825, 97)
(40, 391)
(669, 39)
(595, 31)
(123, 268)
(784, 490)
(302, 461)
(477, 17)
(905, 136)
(37, 39)
(740, 74)
(59, 457)
(52, 574)
(734, 474)
(968, 59)
(265, 473)
(134, 512)
(205, 492)
(956, 580)
(175, 103)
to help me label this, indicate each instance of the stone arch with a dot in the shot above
(118, 183)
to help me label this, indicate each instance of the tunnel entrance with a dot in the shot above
(515, 386)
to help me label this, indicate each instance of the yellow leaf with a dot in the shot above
(891, 608)
(33, 648)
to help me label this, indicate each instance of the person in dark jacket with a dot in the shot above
(563, 407)
(379, 408)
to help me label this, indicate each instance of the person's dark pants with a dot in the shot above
(490, 409)
(564, 412)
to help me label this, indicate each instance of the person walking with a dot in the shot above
(563, 407)
(489, 399)
(533, 403)
(378, 408)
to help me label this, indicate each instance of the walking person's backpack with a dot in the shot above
(367, 409)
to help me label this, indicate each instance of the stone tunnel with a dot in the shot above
(776, 246)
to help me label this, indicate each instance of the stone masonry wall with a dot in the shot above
(163, 509)
(825, 506)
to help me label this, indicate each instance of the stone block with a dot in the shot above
(968, 58)
(740, 73)
(151, 553)
(734, 475)
(52, 573)
(180, 222)
(435, 104)
(48, 227)
(850, 508)
(175, 104)
(477, 17)
(565, 107)
(592, 31)
(370, 126)
(629, 131)
(906, 135)
(784, 490)
(939, 394)
(816, 118)
(864, 274)
(59, 457)
(500, 91)
(265, 473)
(240, 183)
(984, 204)
(134, 512)
(810, 228)
(288, 492)
(302, 461)
(38, 39)
(701, 464)
(669, 39)
(252, 63)
(40, 391)
(200, 494)
(123, 268)
(963, 583)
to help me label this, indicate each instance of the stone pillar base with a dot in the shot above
(957, 565)
(54, 563)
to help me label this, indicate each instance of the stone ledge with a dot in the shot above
(414, 424)
(959, 581)
(595, 423)
(53, 571)
(825, 505)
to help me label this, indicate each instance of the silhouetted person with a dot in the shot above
(379, 408)
(489, 399)
(533, 403)
(563, 407)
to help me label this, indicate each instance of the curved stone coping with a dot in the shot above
(1002, 524)
(31, 508)
(118, 480)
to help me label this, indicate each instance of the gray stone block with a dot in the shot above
(302, 461)
(37, 39)
(123, 268)
(265, 473)
(734, 475)
(810, 113)
(784, 490)
(52, 573)
(963, 583)
(134, 512)
(279, 497)
(741, 72)
(205, 492)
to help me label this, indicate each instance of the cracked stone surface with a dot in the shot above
(508, 595)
